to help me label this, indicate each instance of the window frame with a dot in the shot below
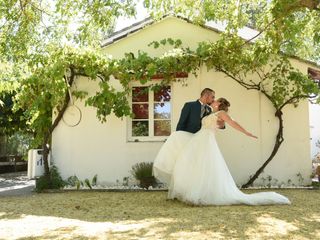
(151, 102)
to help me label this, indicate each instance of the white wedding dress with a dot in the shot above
(196, 172)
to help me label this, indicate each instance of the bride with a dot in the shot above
(193, 166)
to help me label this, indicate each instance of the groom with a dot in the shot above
(193, 112)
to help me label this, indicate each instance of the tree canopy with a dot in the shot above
(291, 26)
(29, 26)
(32, 35)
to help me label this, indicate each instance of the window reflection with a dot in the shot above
(163, 95)
(162, 110)
(140, 128)
(162, 128)
(140, 94)
(140, 111)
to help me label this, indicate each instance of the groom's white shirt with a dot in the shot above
(205, 105)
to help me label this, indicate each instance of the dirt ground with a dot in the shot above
(148, 215)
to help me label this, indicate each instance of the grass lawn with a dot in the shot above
(148, 215)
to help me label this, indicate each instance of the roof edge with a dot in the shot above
(122, 33)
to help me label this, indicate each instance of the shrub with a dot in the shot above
(74, 181)
(143, 173)
(52, 181)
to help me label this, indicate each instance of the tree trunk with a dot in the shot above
(279, 140)
(3, 144)
(45, 154)
(47, 137)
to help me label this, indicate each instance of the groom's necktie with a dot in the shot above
(203, 110)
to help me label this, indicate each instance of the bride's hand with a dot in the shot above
(251, 135)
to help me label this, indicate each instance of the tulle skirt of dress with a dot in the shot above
(165, 161)
(195, 171)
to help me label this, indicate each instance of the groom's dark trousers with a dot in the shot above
(190, 119)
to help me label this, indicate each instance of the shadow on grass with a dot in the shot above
(148, 215)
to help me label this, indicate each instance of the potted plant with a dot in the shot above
(143, 173)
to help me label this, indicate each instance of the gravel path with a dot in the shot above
(13, 184)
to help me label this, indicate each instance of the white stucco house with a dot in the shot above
(314, 112)
(110, 149)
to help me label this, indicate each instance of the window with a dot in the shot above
(151, 114)
(315, 75)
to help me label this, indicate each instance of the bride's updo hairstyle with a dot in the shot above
(224, 104)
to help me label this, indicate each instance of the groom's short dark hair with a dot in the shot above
(206, 91)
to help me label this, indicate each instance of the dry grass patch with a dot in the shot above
(148, 215)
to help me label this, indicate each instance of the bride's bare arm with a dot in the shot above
(225, 117)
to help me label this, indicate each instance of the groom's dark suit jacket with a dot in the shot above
(190, 120)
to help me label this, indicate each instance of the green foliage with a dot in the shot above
(87, 183)
(108, 100)
(316, 185)
(300, 179)
(42, 183)
(51, 181)
(175, 43)
(255, 67)
(18, 144)
(34, 40)
(11, 120)
(143, 173)
(94, 180)
(288, 26)
(74, 181)
(44, 90)
(142, 170)
(125, 181)
(140, 129)
(29, 25)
